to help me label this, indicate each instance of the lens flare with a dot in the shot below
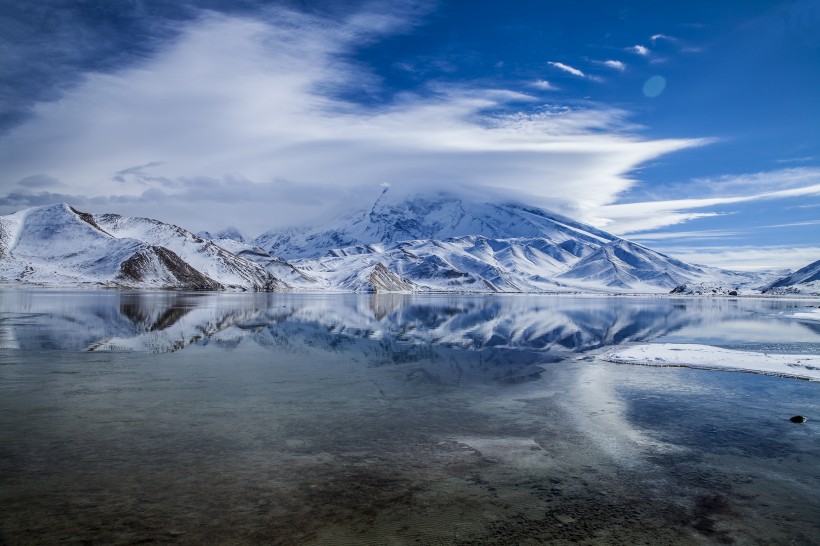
(654, 86)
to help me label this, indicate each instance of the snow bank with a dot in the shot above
(812, 314)
(715, 358)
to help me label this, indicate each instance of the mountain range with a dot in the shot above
(423, 243)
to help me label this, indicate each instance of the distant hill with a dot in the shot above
(802, 281)
(57, 245)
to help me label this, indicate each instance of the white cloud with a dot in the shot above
(544, 84)
(617, 65)
(639, 49)
(237, 122)
(803, 159)
(747, 258)
(671, 235)
(794, 224)
(656, 37)
(630, 219)
(753, 183)
(631, 222)
(566, 68)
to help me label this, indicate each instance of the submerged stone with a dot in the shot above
(798, 419)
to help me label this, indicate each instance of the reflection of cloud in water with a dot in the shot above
(748, 329)
(602, 416)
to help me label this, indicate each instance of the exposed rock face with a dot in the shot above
(158, 264)
(384, 280)
(704, 289)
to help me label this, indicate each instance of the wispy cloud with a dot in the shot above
(632, 222)
(739, 184)
(656, 37)
(38, 181)
(544, 85)
(241, 117)
(140, 174)
(793, 224)
(576, 72)
(633, 218)
(639, 49)
(685, 235)
(804, 159)
(617, 65)
(566, 68)
(753, 183)
(747, 258)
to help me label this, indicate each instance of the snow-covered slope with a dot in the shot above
(802, 281)
(443, 242)
(432, 217)
(279, 268)
(376, 278)
(208, 258)
(429, 243)
(57, 245)
(622, 264)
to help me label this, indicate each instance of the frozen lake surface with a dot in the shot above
(348, 419)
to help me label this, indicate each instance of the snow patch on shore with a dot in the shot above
(811, 314)
(800, 366)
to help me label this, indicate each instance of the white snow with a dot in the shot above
(811, 314)
(801, 366)
(56, 245)
(433, 243)
(441, 242)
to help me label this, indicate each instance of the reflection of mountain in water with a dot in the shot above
(435, 340)
(165, 322)
(152, 322)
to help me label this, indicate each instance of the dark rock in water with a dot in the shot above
(798, 419)
(733, 292)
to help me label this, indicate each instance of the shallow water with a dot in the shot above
(305, 419)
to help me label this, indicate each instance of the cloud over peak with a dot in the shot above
(244, 117)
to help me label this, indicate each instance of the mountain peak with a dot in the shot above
(441, 215)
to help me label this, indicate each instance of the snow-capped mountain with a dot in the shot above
(446, 243)
(432, 217)
(438, 243)
(205, 256)
(57, 245)
(802, 281)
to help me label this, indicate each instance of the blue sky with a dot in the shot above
(693, 128)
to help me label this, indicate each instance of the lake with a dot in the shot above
(201, 418)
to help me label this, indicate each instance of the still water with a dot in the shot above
(308, 419)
